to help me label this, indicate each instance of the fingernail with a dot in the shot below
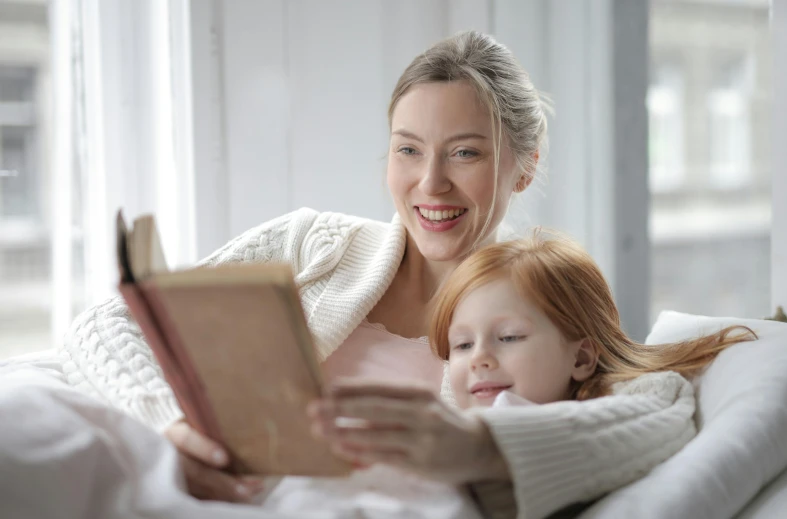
(219, 457)
(242, 490)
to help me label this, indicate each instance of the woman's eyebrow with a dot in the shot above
(458, 137)
(463, 136)
(407, 135)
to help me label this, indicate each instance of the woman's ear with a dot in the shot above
(585, 361)
(527, 175)
(523, 182)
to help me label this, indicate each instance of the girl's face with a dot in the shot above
(441, 169)
(501, 341)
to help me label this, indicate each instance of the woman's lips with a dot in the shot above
(439, 226)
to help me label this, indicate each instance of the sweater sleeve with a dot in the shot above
(570, 452)
(104, 353)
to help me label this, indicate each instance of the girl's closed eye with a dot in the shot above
(512, 338)
(463, 346)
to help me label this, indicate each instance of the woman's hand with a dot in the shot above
(202, 461)
(410, 428)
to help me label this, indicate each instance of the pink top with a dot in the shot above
(373, 352)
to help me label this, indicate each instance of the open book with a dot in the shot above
(232, 342)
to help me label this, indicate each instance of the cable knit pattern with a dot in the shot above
(342, 267)
(569, 452)
(558, 453)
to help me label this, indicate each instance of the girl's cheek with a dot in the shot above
(456, 373)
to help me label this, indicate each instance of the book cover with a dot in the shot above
(233, 343)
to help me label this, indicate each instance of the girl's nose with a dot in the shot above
(484, 357)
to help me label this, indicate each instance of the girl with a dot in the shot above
(534, 320)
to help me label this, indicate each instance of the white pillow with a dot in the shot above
(742, 420)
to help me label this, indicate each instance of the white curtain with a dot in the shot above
(122, 136)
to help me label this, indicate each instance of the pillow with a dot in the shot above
(741, 444)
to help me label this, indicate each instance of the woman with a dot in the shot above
(466, 129)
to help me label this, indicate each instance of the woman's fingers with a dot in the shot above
(380, 412)
(380, 430)
(202, 460)
(409, 428)
(365, 438)
(253, 483)
(362, 458)
(362, 387)
(207, 483)
(188, 441)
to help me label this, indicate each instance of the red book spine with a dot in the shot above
(146, 308)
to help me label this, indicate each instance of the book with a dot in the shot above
(233, 344)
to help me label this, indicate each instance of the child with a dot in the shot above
(534, 321)
(535, 317)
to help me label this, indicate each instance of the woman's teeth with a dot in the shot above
(440, 216)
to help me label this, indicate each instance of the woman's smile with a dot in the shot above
(439, 218)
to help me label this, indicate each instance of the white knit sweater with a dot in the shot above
(558, 453)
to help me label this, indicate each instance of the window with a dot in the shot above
(711, 210)
(26, 295)
(73, 152)
(730, 127)
(18, 184)
(665, 109)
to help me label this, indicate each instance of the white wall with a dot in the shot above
(299, 89)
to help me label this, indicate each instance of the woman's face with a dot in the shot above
(441, 169)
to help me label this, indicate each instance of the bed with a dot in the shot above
(735, 467)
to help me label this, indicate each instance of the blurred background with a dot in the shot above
(220, 114)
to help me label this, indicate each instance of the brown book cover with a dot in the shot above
(233, 343)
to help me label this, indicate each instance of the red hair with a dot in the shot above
(561, 278)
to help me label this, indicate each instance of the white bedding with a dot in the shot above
(736, 466)
(65, 455)
(741, 445)
(770, 503)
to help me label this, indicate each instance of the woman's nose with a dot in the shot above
(435, 180)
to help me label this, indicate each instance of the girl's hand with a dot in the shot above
(410, 428)
(203, 461)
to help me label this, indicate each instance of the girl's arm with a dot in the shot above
(569, 452)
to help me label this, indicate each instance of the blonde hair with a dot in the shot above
(515, 106)
(561, 278)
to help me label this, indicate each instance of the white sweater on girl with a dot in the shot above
(557, 454)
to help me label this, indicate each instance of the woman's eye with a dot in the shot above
(406, 150)
(466, 154)
(463, 346)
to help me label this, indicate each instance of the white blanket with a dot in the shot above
(380, 491)
(742, 441)
(65, 455)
